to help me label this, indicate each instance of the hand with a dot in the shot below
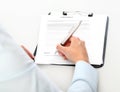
(74, 50)
(28, 52)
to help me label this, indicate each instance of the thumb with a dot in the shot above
(61, 48)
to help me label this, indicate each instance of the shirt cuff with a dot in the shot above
(84, 71)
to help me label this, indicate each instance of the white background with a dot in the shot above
(21, 18)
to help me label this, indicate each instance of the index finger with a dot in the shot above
(74, 40)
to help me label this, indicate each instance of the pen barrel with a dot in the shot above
(71, 32)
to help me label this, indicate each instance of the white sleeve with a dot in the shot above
(85, 78)
(18, 72)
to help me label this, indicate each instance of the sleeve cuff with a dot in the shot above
(84, 71)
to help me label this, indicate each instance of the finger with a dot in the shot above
(77, 40)
(61, 48)
(65, 58)
(62, 55)
(73, 40)
(28, 52)
(67, 43)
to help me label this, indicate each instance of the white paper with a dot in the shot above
(53, 29)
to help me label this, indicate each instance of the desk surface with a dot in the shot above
(23, 24)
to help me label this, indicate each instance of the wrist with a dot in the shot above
(80, 60)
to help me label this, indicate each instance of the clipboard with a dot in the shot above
(66, 16)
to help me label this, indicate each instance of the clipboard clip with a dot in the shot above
(67, 13)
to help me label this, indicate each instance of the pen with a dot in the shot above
(71, 32)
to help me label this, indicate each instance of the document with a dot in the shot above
(53, 29)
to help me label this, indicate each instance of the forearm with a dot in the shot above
(85, 78)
